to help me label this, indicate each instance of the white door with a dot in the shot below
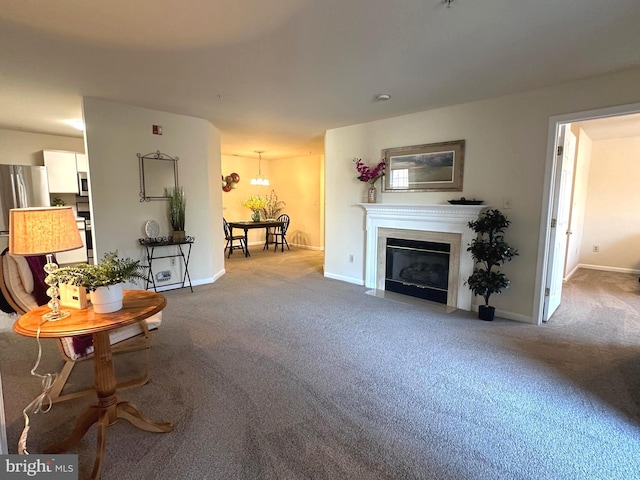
(565, 157)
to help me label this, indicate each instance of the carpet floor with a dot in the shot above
(275, 372)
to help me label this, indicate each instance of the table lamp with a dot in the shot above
(44, 231)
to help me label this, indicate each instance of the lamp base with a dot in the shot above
(54, 316)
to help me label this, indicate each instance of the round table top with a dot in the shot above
(136, 305)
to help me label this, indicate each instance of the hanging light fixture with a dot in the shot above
(259, 179)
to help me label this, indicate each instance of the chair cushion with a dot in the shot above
(115, 336)
(14, 271)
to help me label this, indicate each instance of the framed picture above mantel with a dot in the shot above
(433, 167)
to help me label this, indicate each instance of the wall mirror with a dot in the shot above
(157, 172)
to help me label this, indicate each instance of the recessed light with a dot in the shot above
(383, 97)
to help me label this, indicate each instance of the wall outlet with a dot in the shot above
(506, 203)
(596, 249)
(351, 258)
(173, 262)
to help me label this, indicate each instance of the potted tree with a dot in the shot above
(489, 250)
(176, 211)
(105, 280)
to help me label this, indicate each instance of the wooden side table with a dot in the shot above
(137, 305)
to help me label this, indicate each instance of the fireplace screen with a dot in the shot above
(417, 268)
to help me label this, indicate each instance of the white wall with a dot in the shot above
(579, 201)
(115, 133)
(506, 153)
(612, 214)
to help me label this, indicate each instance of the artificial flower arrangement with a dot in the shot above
(367, 174)
(255, 203)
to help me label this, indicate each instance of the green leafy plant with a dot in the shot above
(489, 250)
(273, 207)
(177, 207)
(110, 271)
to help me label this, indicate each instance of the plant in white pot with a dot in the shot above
(489, 250)
(105, 280)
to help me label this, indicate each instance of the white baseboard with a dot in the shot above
(357, 281)
(609, 269)
(517, 317)
(297, 245)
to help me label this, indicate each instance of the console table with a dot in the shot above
(161, 243)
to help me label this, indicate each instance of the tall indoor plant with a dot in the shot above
(176, 211)
(489, 251)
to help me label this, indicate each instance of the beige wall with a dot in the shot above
(506, 157)
(23, 148)
(612, 214)
(297, 181)
(115, 133)
(579, 201)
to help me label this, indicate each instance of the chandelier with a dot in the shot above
(259, 179)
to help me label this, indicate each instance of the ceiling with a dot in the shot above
(273, 75)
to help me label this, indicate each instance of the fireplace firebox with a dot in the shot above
(418, 268)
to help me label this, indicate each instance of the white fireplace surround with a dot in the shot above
(444, 218)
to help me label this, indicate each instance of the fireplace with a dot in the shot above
(419, 269)
(440, 224)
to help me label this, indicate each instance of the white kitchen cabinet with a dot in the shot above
(82, 163)
(62, 171)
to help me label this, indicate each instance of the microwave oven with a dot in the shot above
(83, 184)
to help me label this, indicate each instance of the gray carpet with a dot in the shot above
(275, 372)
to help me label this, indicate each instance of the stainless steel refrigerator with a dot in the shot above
(21, 186)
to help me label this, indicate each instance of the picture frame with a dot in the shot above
(433, 167)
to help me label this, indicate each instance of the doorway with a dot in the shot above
(551, 260)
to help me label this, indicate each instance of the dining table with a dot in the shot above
(248, 225)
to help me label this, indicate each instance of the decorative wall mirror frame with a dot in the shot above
(157, 172)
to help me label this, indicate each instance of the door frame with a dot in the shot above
(544, 246)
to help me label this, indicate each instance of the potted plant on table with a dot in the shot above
(489, 250)
(371, 176)
(176, 211)
(273, 206)
(255, 203)
(105, 280)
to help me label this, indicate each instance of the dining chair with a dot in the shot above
(280, 233)
(18, 286)
(231, 239)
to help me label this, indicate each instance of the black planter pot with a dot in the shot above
(486, 313)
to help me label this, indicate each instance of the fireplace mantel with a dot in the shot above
(443, 218)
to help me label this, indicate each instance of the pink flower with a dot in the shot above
(367, 174)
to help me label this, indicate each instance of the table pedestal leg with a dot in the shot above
(108, 410)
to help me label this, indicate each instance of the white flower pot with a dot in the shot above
(107, 299)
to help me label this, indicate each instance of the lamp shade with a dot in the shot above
(38, 231)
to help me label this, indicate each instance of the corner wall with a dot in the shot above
(505, 159)
(115, 133)
(299, 182)
(613, 206)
